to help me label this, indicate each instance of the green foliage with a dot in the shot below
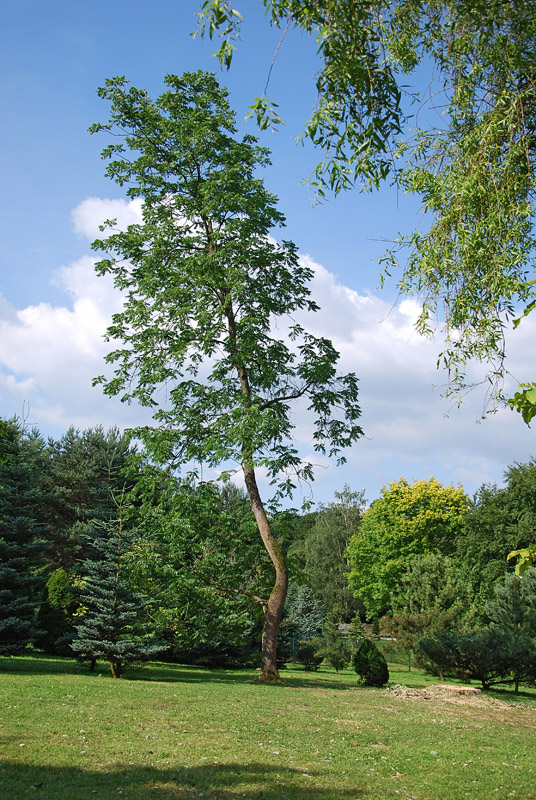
(513, 607)
(334, 649)
(55, 617)
(110, 626)
(358, 110)
(513, 610)
(324, 550)
(199, 558)
(499, 521)
(22, 463)
(309, 653)
(370, 664)
(84, 471)
(206, 289)
(526, 557)
(209, 288)
(404, 522)
(432, 597)
(491, 655)
(302, 621)
(524, 400)
(473, 165)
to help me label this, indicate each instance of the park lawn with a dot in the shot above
(179, 732)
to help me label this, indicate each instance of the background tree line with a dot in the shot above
(104, 555)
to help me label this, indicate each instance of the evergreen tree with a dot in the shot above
(83, 475)
(370, 664)
(110, 627)
(499, 521)
(21, 475)
(335, 651)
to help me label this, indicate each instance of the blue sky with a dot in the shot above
(53, 312)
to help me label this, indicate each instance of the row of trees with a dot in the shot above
(96, 542)
(100, 546)
(433, 564)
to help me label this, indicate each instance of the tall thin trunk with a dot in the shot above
(274, 608)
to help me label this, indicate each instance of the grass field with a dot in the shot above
(177, 732)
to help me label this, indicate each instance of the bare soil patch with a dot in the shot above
(445, 694)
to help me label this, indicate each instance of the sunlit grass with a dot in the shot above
(179, 732)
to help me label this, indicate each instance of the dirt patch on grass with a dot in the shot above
(443, 695)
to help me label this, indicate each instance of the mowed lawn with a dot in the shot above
(171, 731)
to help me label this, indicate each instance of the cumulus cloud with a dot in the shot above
(49, 355)
(94, 211)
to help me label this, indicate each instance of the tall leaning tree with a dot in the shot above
(208, 335)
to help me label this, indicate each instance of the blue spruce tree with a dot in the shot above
(111, 627)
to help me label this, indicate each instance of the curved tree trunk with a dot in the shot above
(274, 609)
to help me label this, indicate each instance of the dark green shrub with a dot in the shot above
(309, 654)
(370, 664)
(335, 650)
(490, 656)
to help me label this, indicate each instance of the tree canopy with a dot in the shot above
(472, 160)
(210, 304)
(406, 521)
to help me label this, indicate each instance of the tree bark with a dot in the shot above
(274, 609)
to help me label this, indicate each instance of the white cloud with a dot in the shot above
(49, 355)
(94, 211)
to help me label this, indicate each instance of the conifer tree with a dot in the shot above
(84, 473)
(111, 628)
(21, 473)
(335, 651)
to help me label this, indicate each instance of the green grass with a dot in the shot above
(178, 732)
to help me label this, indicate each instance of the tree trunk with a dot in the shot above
(116, 668)
(274, 609)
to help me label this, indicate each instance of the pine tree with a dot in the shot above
(335, 651)
(84, 472)
(110, 627)
(21, 474)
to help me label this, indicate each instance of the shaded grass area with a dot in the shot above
(179, 732)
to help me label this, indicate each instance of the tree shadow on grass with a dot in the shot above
(508, 695)
(162, 672)
(252, 781)
(40, 664)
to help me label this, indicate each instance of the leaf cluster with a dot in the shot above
(207, 291)
(468, 151)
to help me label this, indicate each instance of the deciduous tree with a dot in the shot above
(210, 303)
(406, 521)
(324, 549)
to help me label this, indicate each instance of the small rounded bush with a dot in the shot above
(370, 664)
